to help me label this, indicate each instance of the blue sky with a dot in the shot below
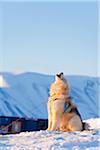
(49, 37)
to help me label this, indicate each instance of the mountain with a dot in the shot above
(26, 94)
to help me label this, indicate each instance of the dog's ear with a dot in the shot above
(61, 75)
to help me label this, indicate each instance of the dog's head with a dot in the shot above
(59, 76)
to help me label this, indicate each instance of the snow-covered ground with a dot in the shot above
(44, 140)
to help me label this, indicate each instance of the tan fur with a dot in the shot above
(58, 120)
(59, 89)
(70, 122)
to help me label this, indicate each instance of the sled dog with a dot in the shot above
(63, 115)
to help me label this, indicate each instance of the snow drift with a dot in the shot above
(25, 95)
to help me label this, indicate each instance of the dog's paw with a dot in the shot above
(48, 129)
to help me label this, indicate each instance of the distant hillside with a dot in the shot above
(26, 94)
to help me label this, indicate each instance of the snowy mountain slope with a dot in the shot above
(26, 95)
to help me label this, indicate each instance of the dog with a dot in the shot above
(60, 118)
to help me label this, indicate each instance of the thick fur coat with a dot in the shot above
(58, 118)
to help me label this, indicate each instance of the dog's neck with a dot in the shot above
(57, 79)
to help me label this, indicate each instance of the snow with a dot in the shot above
(44, 140)
(2, 82)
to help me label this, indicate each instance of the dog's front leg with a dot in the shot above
(57, 112)
(56, 118)
(49, 116)
(49, 121)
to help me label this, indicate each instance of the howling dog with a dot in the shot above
(63, 115)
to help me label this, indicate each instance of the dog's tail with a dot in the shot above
(85, 126)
